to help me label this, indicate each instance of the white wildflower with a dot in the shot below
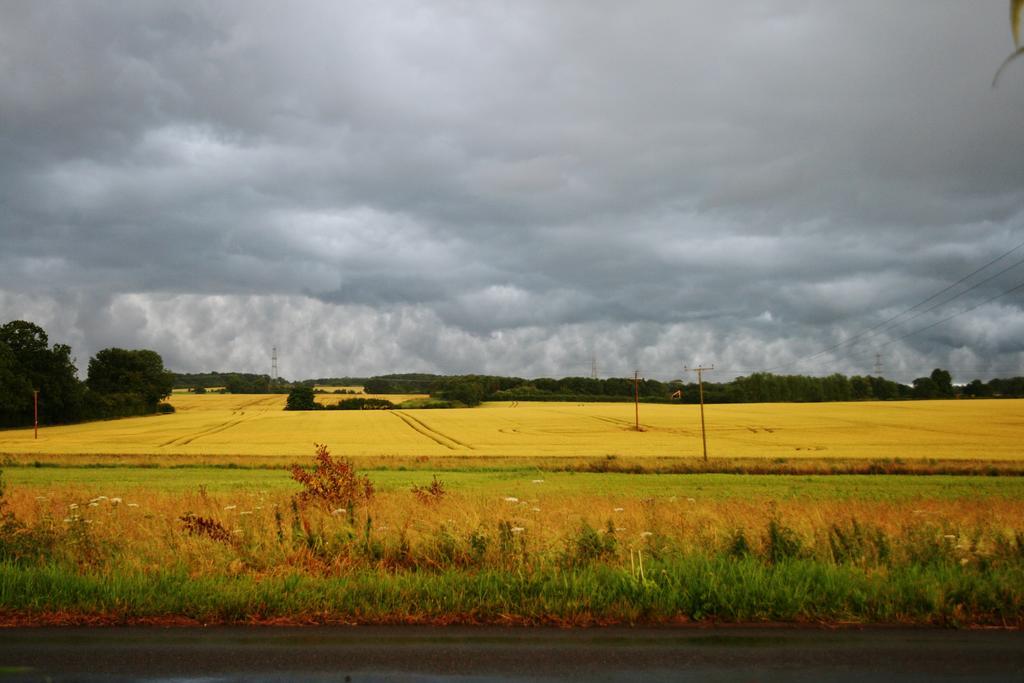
(115, 501)
(73, 506)
(245, 512)
(133, 505)
(94, 505)
(339, 511)
(230, 507)
(511, 499)
(620, 528)
(691, 500)
(536, 509)
(41, 498)
(617, 510)
(518, 529)
(538, 481)
(645, 534)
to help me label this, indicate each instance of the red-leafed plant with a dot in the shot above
(431, 493)
(332, 482)
(205, 526)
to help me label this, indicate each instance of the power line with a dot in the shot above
(954, 298)
(937, 294)
(959, 313)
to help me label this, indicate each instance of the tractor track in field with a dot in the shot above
(426, 430)
(625, 423)
(189, 438)
(258, 402)
(615, 421)
(618, 422)
(237, 418)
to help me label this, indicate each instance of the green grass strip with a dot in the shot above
(694, 587)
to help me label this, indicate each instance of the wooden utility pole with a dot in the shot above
(700, 370)
(35, 411)
(636, 397)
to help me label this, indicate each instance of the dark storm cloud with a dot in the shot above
(511, 187)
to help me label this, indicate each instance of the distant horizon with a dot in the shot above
(709, 378)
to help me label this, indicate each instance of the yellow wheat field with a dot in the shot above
(215, 424)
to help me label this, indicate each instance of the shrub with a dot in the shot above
(588, 545)
(428, 404)
(332, 482)
(97, 406)
(205, 526)
(431, 493)
(782, 542)
(739, 547)
(164, 409)
(362, 404)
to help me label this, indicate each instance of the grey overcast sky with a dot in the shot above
(513, 187)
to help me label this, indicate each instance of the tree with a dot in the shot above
(15, 390)
(468, 392)
(860, 388)
(943, 383)
(977, 388)
(121, 371)
(50, 370)
(302, 398)
(925, 387)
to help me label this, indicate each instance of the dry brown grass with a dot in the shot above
(146, 530)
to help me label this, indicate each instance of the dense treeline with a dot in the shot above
(1012, 387)
(231, 382)
(336, 381)
(761, 387)
(764, 387)
(120, 382)
(406, 383)
(755, 388)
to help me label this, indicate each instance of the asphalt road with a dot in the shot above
(413, 654)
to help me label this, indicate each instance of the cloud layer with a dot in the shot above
(513, 187)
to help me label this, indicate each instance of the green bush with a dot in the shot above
(588, 545)
(362, 404)
(781, 542)
(302, 398)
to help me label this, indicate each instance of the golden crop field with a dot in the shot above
(216, 424)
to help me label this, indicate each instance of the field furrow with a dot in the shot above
(419, 429)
